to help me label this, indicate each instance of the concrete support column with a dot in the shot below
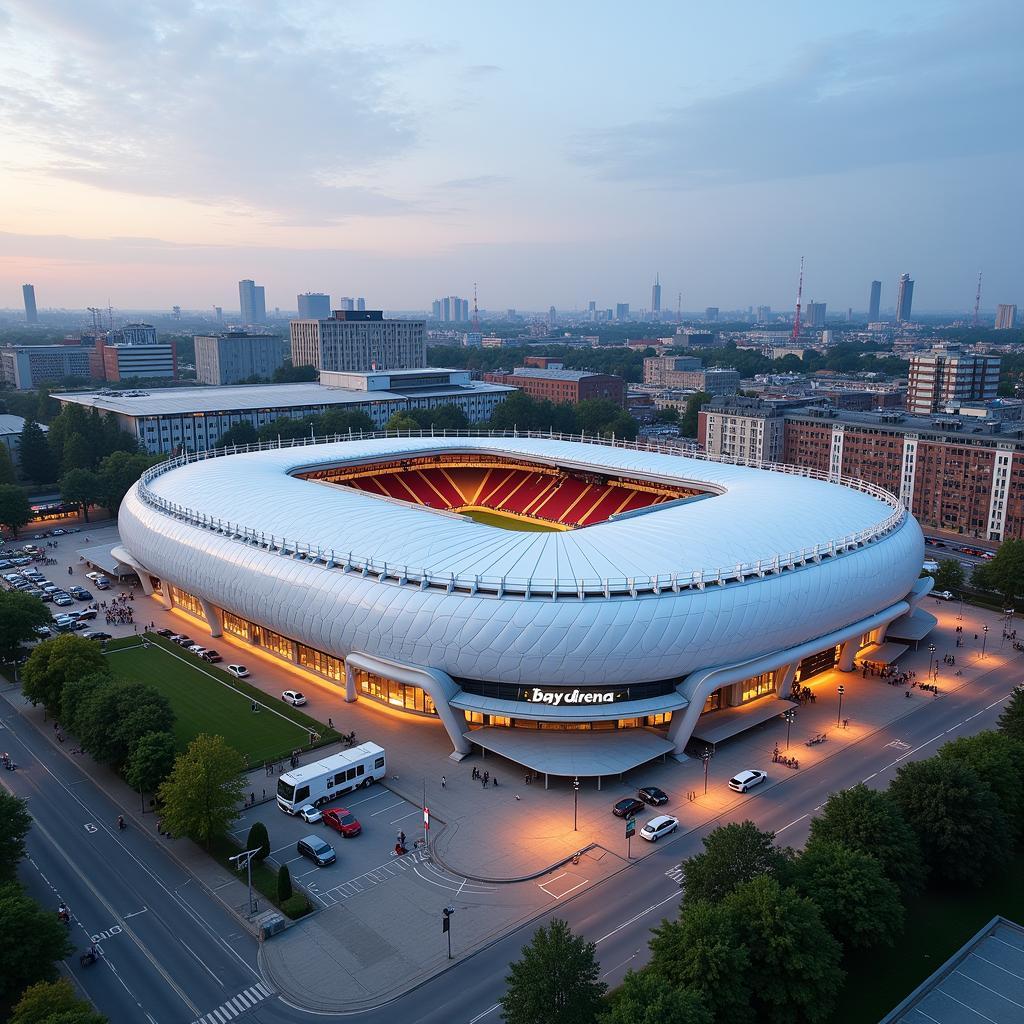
(213, 618)
(147, 583)
(165, 596)
(847, 653)
(350, 684)
(784, 676)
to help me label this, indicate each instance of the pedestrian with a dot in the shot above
(69, 570)
(252, 798)
(443, 783)
(330, 723)
(487, 777)
(264, 794)
(401, 838)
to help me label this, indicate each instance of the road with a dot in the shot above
(177, 956)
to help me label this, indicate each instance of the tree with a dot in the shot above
(603, 417)
(56, 662)
(869, 821)
(259, 839)
(77, 697)
(20, 614)
(77, 454)
(402, 421)
(34, 939)
(15, 821)
(950, 575)
(956, 816)
(859, 905)
(668, 415)
(112, 720)
(150, 762)
(203, 791)
(7, 473)
(1011, 719)
(284, 883)
(733, 854)
(341, 421)
(1004, 573)
(54, 1002)
(557, 981)
(646, 998)
(82, 487)
(702, 951)
(240, 433)
(15, 510)
(794, 973)
(118, 473)
(37, 461)
(688, 421)
(999, 761)
(286, 429)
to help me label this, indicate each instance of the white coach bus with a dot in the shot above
(322, 781)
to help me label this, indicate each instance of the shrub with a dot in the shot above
(284, 884)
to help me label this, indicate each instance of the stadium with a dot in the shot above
(578, 606)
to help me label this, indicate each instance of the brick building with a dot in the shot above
(562, 386)
(689, 372)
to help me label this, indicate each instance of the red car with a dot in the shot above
(342, 821)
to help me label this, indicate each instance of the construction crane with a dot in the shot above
(977, 300)
(799, 297)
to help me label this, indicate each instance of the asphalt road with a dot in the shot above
(175, 956)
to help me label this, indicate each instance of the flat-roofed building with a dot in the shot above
(563, 386)
(359, 340)
(947, 375)
(122, 362)
(27, 366)
(1006, 316)
(236, 356)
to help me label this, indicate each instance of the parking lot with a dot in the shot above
(364, 861)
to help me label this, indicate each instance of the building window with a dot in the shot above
(186, 601)
(395, 694)
(273, 642)
(758, 686)
(323, 664)
(236, 626)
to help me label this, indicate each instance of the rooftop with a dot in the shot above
(552, 374)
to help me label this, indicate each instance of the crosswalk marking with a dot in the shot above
(236, 1005)
(676, 874)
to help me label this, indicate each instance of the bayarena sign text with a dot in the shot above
(556, 697)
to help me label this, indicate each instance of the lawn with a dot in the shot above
(206, 699)
(504, 522)
(938, 924)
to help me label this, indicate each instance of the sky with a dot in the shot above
(153, 153)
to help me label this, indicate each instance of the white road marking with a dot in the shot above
(388, 808)
(793, 822)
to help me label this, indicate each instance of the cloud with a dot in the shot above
(482, 70)
(480, 181)
(231, 105)
(854, 102)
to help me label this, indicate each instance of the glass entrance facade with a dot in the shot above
(395, 694)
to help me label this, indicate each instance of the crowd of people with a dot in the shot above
(121, 610)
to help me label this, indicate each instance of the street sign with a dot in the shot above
(630, 827)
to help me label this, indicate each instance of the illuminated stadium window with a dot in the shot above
(713, 702)
(273, 642)
(663, 719)
(237, 626)
(395, 694)
(758, 686)
(189, 602)
(324, 664)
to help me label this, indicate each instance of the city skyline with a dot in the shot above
(484, 158)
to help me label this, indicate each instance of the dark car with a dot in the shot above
(96, 634)
(166, 632)
(182, 641)
(80, 593)
(654, 796)
(342, 821)
(628, 807)
(319, 852)
(211, 656)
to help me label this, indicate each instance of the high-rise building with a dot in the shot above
(764, 314)
(875, 301)
(552, 317)
(711, 313)
(446, 309)
(28, 293)
(361, 304)
(252, 302)
(904, 298)
(218, 312)
(435, 309)
(947, 376)
(314, 306)
(465, 311)
(622, 311)
(1006, 317)
(656, 295)
(359, 341)
(236, 356)
(592, 310)
(133, 334)
(815, 315)
(346, 303)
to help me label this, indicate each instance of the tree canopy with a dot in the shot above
(34, 939)
(37, 461)
(54, 663)
(950, 575)
(150, 762)
(1011, 718)
(15, 510)
(1004, 574)
(15, 821)
(646, 998)
(54, 1002)
(733, 854)
(20, 614)
(83, 487)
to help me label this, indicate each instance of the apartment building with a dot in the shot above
(359, 340)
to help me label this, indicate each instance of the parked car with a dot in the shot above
(662, 825)
(628, 807)
(294, 698)
(943, 595)
(342, 821)
(96, 634)
(747, 780)
(238, 671)
(80, 593)
(102, 583)
(87, 613)
(94, 576)
(197, 649)
(310, 815)
(182, 641)
(653, 795)
(930, 565)
(43, 631)
(211, 656)
(63, 600)
(166, 632)
(317, 850)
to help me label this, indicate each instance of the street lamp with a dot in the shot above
(446, 927)
(931, 656)
(840, 690)
(789, 716)
(575, 801)
(244, 860)
(706, 756)
(984, 637)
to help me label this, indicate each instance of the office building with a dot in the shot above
(552, 316)
(904, 298)
(353, 340)
(196, 418)
(236, 356)
(764, 314)
(313, 306)
(123, 362)
(689, 372)
(744, 429)
(435, 309)
(622, 311)
(711, 314)
(133, 334)
(1006, 317)
(947, 376)
(28, 366)
(874, 301)
(360, 305)
(252, 302)
(562, 386)
(591, 310)
(656, 295)
(472, 339)
(814, 318)
(28, 293)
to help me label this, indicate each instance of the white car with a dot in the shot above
(310, 814)
(294, 698)
(238, 671)
(943, 595)
(197, 649)
(94, 576)
(662, 825)
(747, 780)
